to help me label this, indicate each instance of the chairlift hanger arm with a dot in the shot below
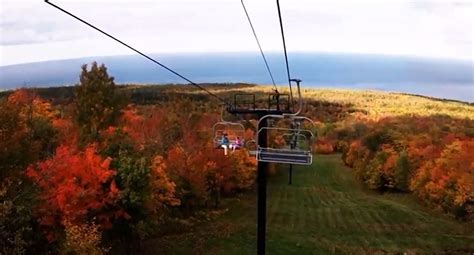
(300, 98)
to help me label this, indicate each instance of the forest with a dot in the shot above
(101, 168)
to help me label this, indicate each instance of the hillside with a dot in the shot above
(371, 102)
(324, 211)
(85, 168)
(376, 103)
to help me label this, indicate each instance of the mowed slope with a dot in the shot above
(325, 211)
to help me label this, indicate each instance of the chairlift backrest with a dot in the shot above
(295, 140)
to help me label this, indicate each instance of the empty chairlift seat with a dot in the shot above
(285, 156)
(287, 145)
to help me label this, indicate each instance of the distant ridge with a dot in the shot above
(66, 93)
(435, 98)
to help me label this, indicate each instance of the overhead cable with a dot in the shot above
(259, 46)
(139, 52)
(284, 49)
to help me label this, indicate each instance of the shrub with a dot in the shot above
(84, 238)
(15, 220)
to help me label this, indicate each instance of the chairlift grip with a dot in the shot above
(300, 98)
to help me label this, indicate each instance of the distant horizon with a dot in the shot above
(166, 54)
(256, 84)
(433, 77)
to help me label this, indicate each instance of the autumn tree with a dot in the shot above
(448, 181)
(403, 171)
(146, 192)
(431, 157)
(162, 188)
(203, 175)
(26, 135)
(16, 221)
(74, 187)
(98, 102)
(12, 138)
(26, 132)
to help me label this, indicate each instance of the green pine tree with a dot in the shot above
(98, 102)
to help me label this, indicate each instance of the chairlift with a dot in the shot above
(231, 130)
(297, 147)
(228, 135)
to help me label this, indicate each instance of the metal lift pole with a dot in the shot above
(262, 191)
(290, 174)
(262, 166)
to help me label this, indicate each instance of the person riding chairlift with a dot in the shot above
(225, 143)
(237, 144)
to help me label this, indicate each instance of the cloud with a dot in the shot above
(28, 23)
(33, 31)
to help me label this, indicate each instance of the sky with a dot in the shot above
(31, 30)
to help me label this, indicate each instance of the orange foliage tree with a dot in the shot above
(431, 157)
(322, 146)
(162, 188)
(202, 172)
(74, 187)
(26, 133)
(30, 104)
(448, 181)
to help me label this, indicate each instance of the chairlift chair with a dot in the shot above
(297, 150)
(231, 129)
(298, 153)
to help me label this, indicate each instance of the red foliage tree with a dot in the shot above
(74, 187)
(203, 172)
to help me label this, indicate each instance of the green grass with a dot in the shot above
(326, 211)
